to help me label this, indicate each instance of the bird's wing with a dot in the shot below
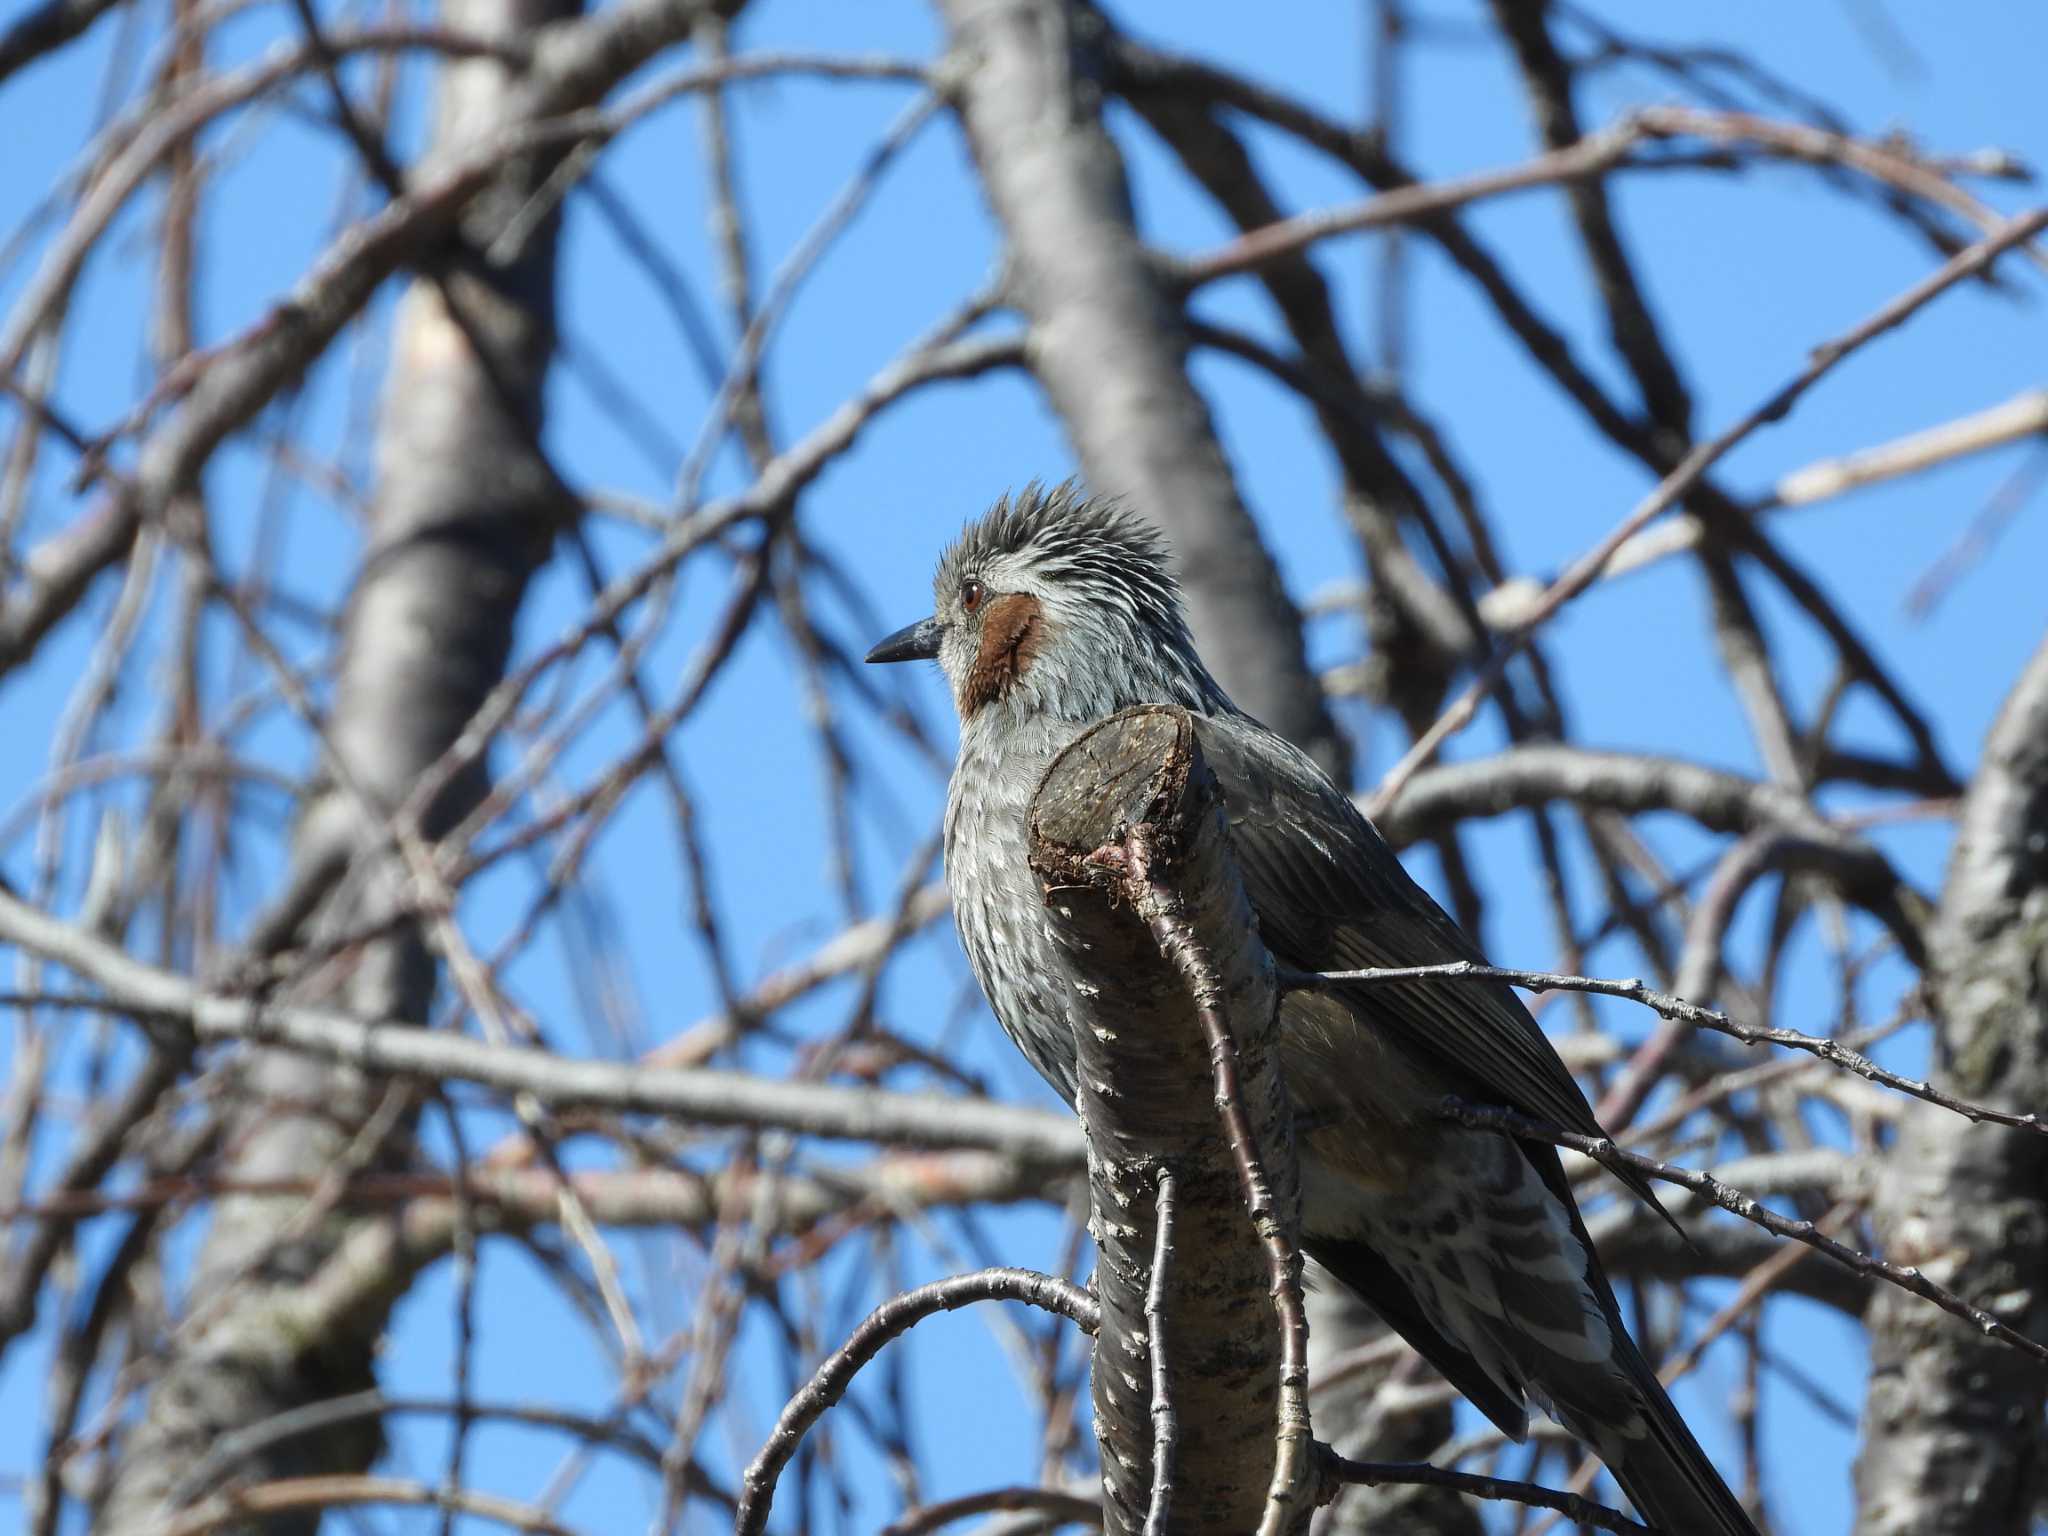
(1380, 1286)
(1330, 895)
(1654, 1456)
(1509, 1302)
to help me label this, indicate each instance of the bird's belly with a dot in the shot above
(1011, 954)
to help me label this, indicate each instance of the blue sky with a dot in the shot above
(1747, 271)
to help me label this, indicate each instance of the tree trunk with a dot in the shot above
(1108, 344)
(1952, 1425)
(465, 511)
(1149, 1103)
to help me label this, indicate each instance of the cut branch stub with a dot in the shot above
(1135, 791)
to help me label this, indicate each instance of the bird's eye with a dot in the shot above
(971, 594)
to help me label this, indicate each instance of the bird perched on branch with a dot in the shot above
(1053, 612)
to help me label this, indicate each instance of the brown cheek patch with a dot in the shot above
(1010, 636)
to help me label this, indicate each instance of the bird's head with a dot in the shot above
(1056, 603)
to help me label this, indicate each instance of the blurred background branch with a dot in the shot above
(480, 1025)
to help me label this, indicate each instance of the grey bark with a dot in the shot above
(183, 1014)
(465, 511)
(1952, 1424)
(1149, 1105)
(1108, 343)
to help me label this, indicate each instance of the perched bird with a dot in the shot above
(1053, 611)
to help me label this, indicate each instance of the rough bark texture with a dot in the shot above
(1952, 1425)
(466, 509)
(1149, 1105)
(1109, 346)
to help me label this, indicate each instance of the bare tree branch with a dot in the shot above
(402, 1050)
(894, 1317)
(1341, 1471)
(1587, 568)
(1145, 900)
(1680, 1011)
(1737, 1203)
(282, 790)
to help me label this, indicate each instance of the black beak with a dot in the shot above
(913, 642)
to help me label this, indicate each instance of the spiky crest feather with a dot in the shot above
(1092, 547)
(1113, 631)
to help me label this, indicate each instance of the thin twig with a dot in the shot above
(1592, 156)
(1757, 1284)
(1748, 1207)
(892, 1318)
(1977, 539)
(2025, 415)
(1342, 1471)
(1054, 1506)
(1165, 1421)
(1687, 473)
(340, 1490)
(1634, 990)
